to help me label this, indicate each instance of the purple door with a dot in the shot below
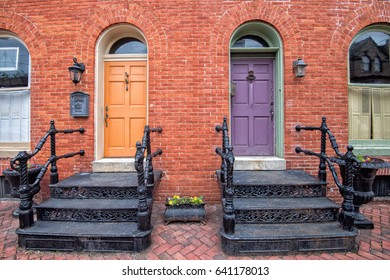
(252, 121)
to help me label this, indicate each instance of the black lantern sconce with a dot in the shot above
(299, 67)
(76, 71)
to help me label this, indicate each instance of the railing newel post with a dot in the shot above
(226, 177)
(53, 167)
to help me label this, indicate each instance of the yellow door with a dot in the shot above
(124, 106)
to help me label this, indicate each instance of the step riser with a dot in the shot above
(259, 191)
(85, 244)
(287, 246)
(97, 193)
(87, 215)
(270, 216)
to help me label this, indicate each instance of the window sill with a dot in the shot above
(10, 150)
(371, 147)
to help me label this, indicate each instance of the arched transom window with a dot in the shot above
(128, 45)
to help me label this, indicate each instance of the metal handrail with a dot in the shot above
(20, 164)
(145, 175)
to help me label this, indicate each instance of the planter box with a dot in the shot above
(13, 177)
(185, 213)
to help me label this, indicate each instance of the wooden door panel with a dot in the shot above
(135, 98)
(117, 97)
(125, 98)
(118, 125)
(252, 106)
(136, 125)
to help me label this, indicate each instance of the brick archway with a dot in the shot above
(352, 24)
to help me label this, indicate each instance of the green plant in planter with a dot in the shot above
(185, 209)
(177, 200)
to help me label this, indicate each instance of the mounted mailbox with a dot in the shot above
(79, 104)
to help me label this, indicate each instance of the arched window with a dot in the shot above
(14, 90)
(250, 41)
(369, 86)
(128, 45)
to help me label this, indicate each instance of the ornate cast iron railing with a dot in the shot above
(324, 131)
(227, 168)
(145, 175)
(20, 163)
(348, 160)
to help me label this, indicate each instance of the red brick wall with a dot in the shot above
(188, 43)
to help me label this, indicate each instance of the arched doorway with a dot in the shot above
(121, 100)
(256, 91)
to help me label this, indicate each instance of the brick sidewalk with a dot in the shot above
(195, 241)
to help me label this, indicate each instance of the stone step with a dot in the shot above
(101, 186)
(276, 183)
(284, 239)
(285, 210)
(88, 210)
(89, 237)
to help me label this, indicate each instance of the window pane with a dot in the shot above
(369, 59)
(377, 65)
(15, 116)
(14, 63)
(366, 64)
(369, 113)
(128, 46)
(250, 41)
(359, 113)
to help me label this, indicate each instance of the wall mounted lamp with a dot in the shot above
(299, 67)
(76, 71)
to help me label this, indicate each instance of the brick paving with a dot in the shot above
(196, 241)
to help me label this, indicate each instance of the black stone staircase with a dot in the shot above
(90, 212)
(87, 211)
(283, 212)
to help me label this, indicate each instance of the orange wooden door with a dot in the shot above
(124, 106)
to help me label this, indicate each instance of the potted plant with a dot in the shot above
(362, 184)
(13, 177)
(185, 209)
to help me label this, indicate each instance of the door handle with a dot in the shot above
(127, 81)
(106, 117)
(271, 111)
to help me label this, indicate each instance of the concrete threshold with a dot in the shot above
(113, 165)
(259, 163)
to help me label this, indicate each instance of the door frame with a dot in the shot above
(274, 51)
(104, 43)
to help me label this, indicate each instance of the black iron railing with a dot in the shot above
(348, 160)
(227, 168)
(145, 175)
(20, 164)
